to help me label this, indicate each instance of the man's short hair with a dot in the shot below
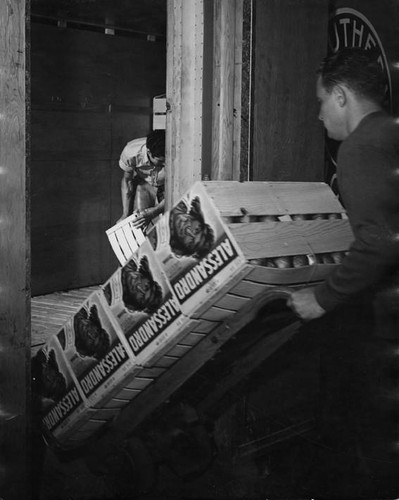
(156, 143)
(356, 68)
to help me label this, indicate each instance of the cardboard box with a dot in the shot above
(125, 238)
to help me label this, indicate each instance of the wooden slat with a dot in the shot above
(230, 301)
(117, 403)
(41, 305)
(50, 312)
(179, 350)
(249, 289)
(166, 361)
(217, 313)
(270, 277)
(272, 198)
(126, 393)
(261, 239)
(192, 339)
(152, 372)
(139, 383)
(206, 326)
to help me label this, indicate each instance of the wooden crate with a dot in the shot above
(113, 369)
(148, 323)
(63, 403)
(215, 289)
(125, 239)
(73, 365)
(265, 234)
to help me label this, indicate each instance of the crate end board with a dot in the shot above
(125, 239)
(316, 241)
(259, 198)
(261, 240)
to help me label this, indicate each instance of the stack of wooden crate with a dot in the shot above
(202, 267)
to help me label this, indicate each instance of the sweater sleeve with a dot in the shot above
(370, 189)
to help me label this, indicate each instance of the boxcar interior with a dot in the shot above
(239, 427)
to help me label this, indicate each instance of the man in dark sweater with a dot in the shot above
(351, 89)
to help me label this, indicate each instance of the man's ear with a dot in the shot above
(340, 95)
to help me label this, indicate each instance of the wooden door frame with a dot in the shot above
(15, 253)
(203, 90)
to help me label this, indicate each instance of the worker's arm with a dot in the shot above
(371, 190)
(127, 192)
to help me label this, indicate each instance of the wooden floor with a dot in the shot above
(51, 311)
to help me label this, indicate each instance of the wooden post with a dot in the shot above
(184, 96)
(193, 105)
(15, 257)
(226, 123)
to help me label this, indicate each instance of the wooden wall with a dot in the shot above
(91, 94)
(290, 39)
(14, 256)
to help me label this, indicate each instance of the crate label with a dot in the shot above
(61, 398)
(95, 349)
(195, 249)
(141, 300)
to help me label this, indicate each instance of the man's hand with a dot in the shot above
(304, 304)
(143, 217)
